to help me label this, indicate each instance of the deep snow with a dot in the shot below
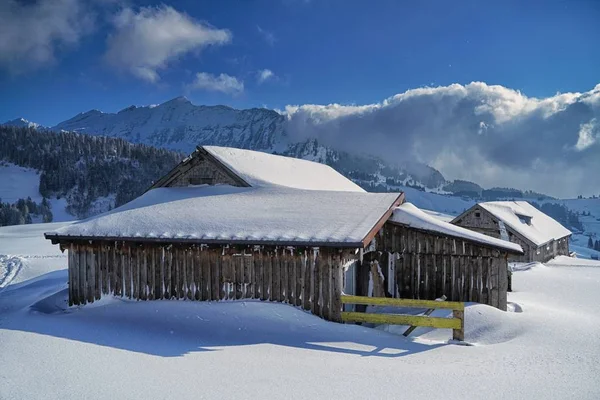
(547, 347)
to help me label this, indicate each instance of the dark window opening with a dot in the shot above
(477, 214)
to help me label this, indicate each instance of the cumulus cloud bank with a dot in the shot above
(31, 33)
(147, 41)
(490, 134)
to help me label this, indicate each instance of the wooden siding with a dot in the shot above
(487, 224)
(205, 171)
(428, 266)
(310, 278)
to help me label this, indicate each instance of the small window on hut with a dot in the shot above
(477, 215)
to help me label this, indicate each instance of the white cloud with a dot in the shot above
(588, 134)
(32, 33)
(264, 75)
(490, 134)
(222, 83)
(268, 37)
(145, 42)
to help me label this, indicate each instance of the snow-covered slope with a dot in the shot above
(547, 347)
(180, 125)
(19, 183)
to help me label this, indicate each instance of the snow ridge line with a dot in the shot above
(9, 269)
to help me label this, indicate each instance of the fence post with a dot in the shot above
(459, 334)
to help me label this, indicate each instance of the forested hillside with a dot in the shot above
(84, 168)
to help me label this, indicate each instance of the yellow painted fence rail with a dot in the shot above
(456, 323)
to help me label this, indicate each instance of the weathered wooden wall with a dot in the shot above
(304, 277)
(427, 266)
(487, 224)
(204, 171)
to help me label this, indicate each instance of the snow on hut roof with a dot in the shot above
(409, 215)
(263, 169)
(227, 214)
(527, 220)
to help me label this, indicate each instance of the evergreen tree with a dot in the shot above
(590, 243)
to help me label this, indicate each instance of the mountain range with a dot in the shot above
(180, 125)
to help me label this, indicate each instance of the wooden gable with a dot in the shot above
(200, 168)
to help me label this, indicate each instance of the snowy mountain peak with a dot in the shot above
(21, 122)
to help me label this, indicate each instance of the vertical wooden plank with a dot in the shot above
(228, 277)
(266, 282)
(74, 269)
(180, 271)
(206, 279)
(190, 273)
(143, 262)
(168, 256)
(502, 283)
(197, 295)
(283, 274)
(291, 279)
(70, 267)
(82, 274)
(239, 277)
(103, 264)
(276, 274)
(259, 291)
(306, 279)
(127, 270)
(91, 273)
(316, 276)
(135, 272)
(337, 280)
(97, 272)
(459, 334)
(299, 277)
(250, 276)
(268, 260)
(111, 268)
(215, 274)
(325, 270)
(150, 278)
(118, 269)
(159, 287)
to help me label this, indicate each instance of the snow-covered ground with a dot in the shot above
(546, 347)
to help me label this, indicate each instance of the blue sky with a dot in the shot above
(107, 54)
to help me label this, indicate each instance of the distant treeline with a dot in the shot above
(84, 168)
(22, 210)
(562, 214)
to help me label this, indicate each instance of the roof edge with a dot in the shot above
(488, 245)
(56, 238)
(382, 220)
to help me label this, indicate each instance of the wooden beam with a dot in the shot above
(398, 319)
(408, 303)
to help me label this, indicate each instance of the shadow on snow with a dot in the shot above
(171, 328)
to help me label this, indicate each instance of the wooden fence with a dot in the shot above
(310, 278)
(456, 323)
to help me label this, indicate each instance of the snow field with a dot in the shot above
(547, 347)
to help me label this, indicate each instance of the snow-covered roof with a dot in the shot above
(260, 169)
(534, 225)
(409, 215)
(227, 214)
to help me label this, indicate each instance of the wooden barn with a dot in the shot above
(540, 236)
(239, 224)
